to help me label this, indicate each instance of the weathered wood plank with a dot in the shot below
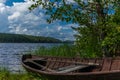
(71, 68)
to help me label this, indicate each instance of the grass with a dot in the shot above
(6, 75)
(62, 50)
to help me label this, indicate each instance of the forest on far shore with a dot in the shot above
(21, 38)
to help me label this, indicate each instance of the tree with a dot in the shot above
(112, 40)
(97, 21)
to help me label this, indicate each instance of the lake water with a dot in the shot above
(10, 54)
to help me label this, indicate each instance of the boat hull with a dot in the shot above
(97, 75)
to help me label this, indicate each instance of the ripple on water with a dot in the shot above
(10, 54)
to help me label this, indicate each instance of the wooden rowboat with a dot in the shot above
(59, 68)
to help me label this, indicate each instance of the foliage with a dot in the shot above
(5, 37)
(112, 41)
(98, 23)
(61, 50)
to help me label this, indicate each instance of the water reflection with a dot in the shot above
(10, 54)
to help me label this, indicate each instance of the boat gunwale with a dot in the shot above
(69, 74)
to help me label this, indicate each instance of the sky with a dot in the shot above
(16, 18)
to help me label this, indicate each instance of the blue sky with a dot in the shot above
(16, 18)
(10, 2)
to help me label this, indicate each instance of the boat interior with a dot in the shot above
(72, 65)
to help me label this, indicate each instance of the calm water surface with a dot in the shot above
(10, 54)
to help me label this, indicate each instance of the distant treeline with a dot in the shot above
(20, 38)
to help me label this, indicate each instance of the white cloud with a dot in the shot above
(18, 19)
(71, 1)
(2, 1)
(59, 28)
(18, 30)
(14, 16)
(24, 30)
(3, 18)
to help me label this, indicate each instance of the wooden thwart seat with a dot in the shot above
(71, 68)
(65, 69)
(43, 67)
